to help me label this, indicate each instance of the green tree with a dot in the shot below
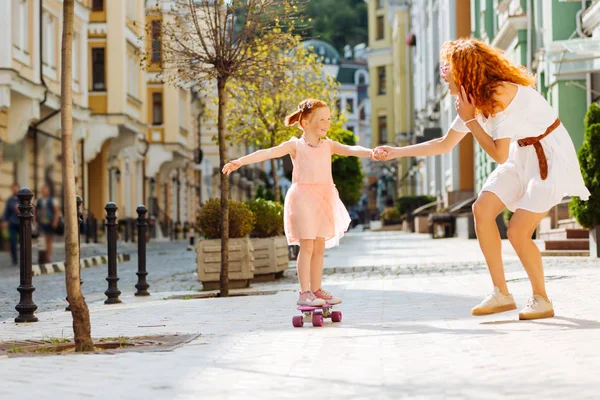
(220, 41)
(587, 213)
(347, 171)
(339, 22)
(257, 116)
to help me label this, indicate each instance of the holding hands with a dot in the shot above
(382, 153)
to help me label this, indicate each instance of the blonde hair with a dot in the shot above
(305, 109)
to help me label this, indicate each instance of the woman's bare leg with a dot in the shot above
(520, 229)
(316, 264)
(485, 210)
(304, 262)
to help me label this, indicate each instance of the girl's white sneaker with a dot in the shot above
(495, 302)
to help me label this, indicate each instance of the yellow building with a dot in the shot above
(390, 91)
(30, 48)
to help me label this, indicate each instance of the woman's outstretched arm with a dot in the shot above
(260, 155)
(430, 148)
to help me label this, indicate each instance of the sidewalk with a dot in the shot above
(402, 336)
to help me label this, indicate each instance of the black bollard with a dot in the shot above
(79, 222)
(113, 292)
(26, 306)
(142, 225)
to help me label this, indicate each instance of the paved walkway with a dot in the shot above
(403, 336)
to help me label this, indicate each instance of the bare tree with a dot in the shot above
(79, 309)
(221, 41)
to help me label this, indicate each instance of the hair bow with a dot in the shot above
(304, 107)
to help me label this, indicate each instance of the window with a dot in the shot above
(381, 80)
(20, 29)
(382, 124)
(379, 4)
(156, 43)
(379, 27)
(49, 40)
(133, 71)
(98, 69)
(157, 108)
(350, 105)
(98, 5)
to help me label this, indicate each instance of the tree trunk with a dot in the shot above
(79, 309)
(274, 172)
(224, 277)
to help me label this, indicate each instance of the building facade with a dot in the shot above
(390, 94)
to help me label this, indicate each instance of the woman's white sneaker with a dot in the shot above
(537, 307)
(495, 302)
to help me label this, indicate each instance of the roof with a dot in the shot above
(329, 55)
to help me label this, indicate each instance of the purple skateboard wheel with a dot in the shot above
(298, 321)
(317, 319)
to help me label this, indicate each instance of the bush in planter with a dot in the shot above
(269, 218)
(241, 219)
(391, 216)
(587, 213)
(407, 204)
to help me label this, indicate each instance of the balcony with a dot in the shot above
(511, 19)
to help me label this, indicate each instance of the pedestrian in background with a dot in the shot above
(10, 217)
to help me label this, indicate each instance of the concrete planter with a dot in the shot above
(270, 258)
(465, 227)
(422, 224)
(595, 242)
(241, 263)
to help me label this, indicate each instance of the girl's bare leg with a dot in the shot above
(485, 210)
(304, 263)
(316, 264)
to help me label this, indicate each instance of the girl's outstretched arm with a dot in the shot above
(345, 150)
(288, 147)
(432, 147)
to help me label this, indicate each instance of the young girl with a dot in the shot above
(538, 165)
(314, 216)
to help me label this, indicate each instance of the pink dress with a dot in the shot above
(313, 208)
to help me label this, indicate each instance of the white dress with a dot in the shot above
(518, 182)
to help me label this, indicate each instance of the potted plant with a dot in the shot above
(587, 213)
(270, 245)
(241, 251)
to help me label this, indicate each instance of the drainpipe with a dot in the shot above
(578, 21)
(529, 12)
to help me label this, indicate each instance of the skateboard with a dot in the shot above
(316, 315)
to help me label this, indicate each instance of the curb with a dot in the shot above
(394, 269)
(54, 268)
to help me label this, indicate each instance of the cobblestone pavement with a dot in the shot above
(170, 267)
(402, 336)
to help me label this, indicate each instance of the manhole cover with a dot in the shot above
(111, 345)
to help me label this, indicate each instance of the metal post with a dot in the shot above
(113, 292)
(26, 306)
(142, 224)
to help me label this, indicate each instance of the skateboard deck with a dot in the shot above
(316, 315)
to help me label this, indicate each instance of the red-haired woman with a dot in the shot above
(537, 162)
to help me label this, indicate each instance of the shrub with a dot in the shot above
(269, 218)
(391, 216)
(241, 219)
(587, 213)
(407, 204)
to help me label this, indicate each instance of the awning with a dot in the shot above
(575, 56)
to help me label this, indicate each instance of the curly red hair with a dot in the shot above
(481, 69)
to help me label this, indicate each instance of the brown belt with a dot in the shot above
(539, 150)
